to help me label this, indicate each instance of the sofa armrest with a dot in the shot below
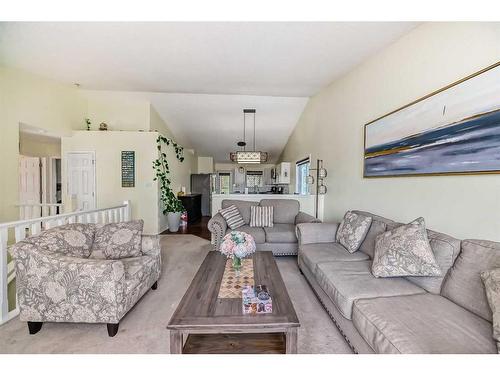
(150, 244)
(217, 226)
(151, 247)
(59, 288)
(302, 217)
(308, 233)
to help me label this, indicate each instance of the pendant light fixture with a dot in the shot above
(244, 156)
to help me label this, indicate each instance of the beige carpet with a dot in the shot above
(143, 330)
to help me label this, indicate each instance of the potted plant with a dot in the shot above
(172, 206)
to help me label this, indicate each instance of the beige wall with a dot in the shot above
(59, 109)
(119, 110)
(35, 101)
(130, 111)
(108, 170)
(39, 146)
(331, 128)
(156, 123)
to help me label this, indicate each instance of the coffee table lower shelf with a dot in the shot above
(238, 343)
(184, 342)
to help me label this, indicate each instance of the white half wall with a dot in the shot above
(108, 146)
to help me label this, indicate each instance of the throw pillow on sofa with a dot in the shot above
(261, 216)
(119, 240)
(70, 239)
(352, 230)
(232, 216)
(405, 251)
(491, 280)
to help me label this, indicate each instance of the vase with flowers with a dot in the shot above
(236, 246)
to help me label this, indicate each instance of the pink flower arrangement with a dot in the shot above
(237, 244)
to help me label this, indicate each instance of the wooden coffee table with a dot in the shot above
(201, 312)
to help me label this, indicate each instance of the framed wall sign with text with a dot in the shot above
(128, 168)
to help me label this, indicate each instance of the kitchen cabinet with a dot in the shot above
(192, 204)
(283, 173)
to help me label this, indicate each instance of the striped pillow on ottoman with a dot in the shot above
(261, 216)
(232, 216)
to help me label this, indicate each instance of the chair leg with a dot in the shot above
(155, 285)
(113, 329)
(34, 327)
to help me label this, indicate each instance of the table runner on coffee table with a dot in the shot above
(231, 285)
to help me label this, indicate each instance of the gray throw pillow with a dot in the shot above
(491, 280)
(232, 216)
(71, 239)
(404, 251)
(118, 240)
(352, 230)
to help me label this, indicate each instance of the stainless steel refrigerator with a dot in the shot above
(202, 184)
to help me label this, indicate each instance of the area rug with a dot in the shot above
(143, 329)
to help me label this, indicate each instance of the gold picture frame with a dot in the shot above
(384, 151)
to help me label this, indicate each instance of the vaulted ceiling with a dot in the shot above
(210, 71)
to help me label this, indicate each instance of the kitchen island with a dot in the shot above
(307, 202)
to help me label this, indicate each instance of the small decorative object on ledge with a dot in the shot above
(237, 245)
(88, 123)
(103, 126)
(128, 168)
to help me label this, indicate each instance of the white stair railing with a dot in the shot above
(35, 210)
(19, 230)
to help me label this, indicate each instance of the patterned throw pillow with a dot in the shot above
(352, 230)
(404, 251)
(232, 216)
(69, 239)
(119, 240)
(491, 280)
(261, 216)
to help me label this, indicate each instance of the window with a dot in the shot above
(254, 179)
(301, 173)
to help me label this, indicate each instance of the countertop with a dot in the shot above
(307, 202)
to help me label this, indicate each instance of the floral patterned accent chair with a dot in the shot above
(85, 273)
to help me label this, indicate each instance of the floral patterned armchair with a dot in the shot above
(62, 277)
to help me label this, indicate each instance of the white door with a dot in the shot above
(29, 180)
(81, 179)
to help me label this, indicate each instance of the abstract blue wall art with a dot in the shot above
(455, 130)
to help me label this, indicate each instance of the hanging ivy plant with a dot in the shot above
(168, 198)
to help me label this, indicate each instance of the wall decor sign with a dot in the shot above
(455, 130)
(128, 168)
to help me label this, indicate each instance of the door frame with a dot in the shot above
(94, 162)
(53, 178)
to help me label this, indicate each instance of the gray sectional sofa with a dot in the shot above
(281, 238)
(446, 314)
